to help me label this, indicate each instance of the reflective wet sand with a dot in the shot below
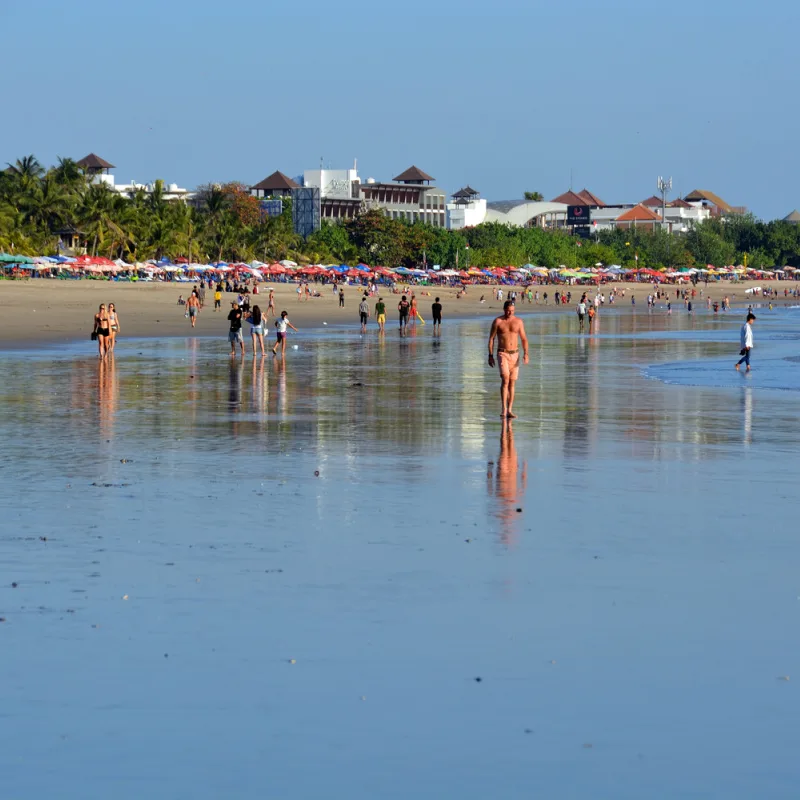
(198, 614)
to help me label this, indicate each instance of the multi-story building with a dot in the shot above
(99, 171)
(409, 196)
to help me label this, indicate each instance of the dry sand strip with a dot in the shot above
(43, 311)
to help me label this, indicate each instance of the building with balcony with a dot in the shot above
(409, 196)
(275, 185)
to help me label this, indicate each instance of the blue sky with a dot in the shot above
(506, 96)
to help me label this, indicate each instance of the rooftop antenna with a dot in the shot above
(321, 163)
(355, 165)
(664, 185)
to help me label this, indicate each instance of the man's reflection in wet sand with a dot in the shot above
(507, 482)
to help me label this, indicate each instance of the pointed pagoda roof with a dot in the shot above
(413, 175)
(590, 198)
(653, 202)
(571, 198)
(93, 161)
(638, 213)
(793, 217)
(275, 182)
(467, 191)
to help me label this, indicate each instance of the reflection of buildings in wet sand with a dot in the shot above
(506, 483)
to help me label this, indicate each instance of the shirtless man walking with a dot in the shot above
(192, 307)
(508, 330)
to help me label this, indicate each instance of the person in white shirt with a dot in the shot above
(746, 341)
(281, 324)
(581, 314)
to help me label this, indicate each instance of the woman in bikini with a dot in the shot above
(113, 320)
(271, 304)
(102, 329)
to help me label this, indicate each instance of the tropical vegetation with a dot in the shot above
(39, 206)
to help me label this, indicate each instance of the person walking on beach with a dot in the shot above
(218, 298)
(192, 307)
(235, 333)
(746, 341)
(436, 312)
(581, 314)
(102, 330)
(281, 324)
(380, 315)
(201, 294)
(363, 313)
(113, 320)
(341, 298)
(403, 308)
(257, 320)
(271, 304)
(508, 331)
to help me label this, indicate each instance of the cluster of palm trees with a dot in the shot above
(41, 208)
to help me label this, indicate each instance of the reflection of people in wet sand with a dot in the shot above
(508, 330)
(507, 482)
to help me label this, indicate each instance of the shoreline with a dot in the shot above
(41, 311)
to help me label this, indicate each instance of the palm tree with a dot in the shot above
(46, 205)
(69, 175)
(100, 216)
(534, 197)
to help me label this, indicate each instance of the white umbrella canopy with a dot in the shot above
(287, 263)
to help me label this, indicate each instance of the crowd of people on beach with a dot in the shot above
(507, 331)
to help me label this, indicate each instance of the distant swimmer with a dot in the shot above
(746, 341)
(508, 330)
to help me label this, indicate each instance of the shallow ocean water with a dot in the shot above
(198, 614)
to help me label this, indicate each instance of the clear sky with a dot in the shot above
(507, 96)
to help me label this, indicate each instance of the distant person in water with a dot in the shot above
(746, 341)
(508, 331)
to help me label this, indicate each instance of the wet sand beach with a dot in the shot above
(48, 311)
(339, 575)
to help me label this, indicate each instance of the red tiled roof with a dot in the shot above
(679, 203)
(638, 213)
(652, 202)
(413, 175)
(571, 198)
(276, 181)
(591, 199)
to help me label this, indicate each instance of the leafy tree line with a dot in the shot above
(225, 223)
